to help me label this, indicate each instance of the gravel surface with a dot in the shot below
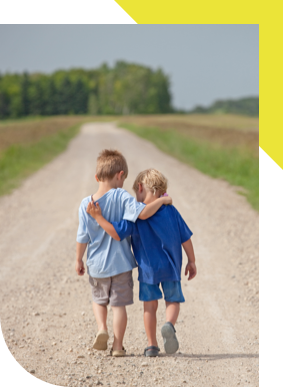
(46, 314)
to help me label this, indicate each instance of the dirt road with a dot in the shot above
(46, 314)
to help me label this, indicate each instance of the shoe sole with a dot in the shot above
(118, 353)
(100, 342)
(171, 344)
(151, 354)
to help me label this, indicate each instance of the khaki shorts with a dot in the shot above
(116, 290)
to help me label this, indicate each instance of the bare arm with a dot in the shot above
(151, 208)
(191, 266)
(108, 227)
(79, 266)
(95, 211)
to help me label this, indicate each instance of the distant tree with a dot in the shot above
(246, 106)
(65, 96)
(92, 106)
(163, 92)
(80, 97)
(200, 110)
(51, 98)
(36, 98)
(4, 101)
(25, 84)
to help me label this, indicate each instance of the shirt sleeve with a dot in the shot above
(82, 234)
(124, 228)
(185, 232)
(131, 207)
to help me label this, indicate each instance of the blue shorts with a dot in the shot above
(171, 289)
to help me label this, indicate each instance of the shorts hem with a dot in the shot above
(100, 303)
(177, 302)
(153, 299)
(122, 304)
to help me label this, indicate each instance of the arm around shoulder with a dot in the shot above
(108, 227)
(151, 208)
(94, 210)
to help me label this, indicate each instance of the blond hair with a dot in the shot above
(153, 180)
(110, 162)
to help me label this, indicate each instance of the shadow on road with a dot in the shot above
(218, 356)
(206, 357)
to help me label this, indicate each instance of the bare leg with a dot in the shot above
(119, 326)
(172, 312)
(100, 313)
(149, 316)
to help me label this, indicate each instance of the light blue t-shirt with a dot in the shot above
(105, 256)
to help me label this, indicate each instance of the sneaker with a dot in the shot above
(171, 344)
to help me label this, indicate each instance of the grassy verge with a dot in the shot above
(8, 121)
(238, 166)
(20, 160)
(26, 144)
(30, 131)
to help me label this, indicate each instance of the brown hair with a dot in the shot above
(152, 179)
(110, 162)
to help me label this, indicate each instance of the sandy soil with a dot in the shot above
(46, 314)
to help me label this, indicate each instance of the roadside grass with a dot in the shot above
(8, 121)
(28, 143)
(20, 160)
(238, 166)
(219, 121)
(29, 131)
(224, 130)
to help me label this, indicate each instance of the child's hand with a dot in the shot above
(166, 200)
(80, 269)
(192, 269)
(93, 209)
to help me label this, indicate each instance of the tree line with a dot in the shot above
(248, 106)
(124, 89)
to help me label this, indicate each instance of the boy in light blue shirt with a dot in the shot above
(110, 263)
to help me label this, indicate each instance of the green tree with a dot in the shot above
(51, 98)
(64, 96)
(4, 101)
(25, 84)
(36, 97)
(79, 99)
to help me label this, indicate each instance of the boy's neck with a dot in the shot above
(104, 186)
(150, 197)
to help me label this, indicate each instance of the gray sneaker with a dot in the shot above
(171, 344)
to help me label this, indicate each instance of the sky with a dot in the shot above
(204, 62)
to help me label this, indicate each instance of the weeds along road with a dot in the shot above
(46, 314)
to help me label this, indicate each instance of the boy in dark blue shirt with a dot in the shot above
(157, 244)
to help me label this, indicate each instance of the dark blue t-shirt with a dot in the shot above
(157, 244)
